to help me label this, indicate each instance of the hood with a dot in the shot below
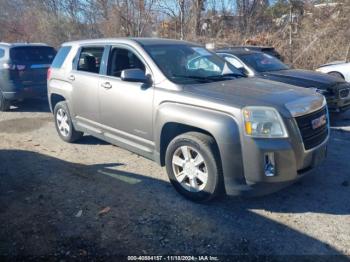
(255, 92)
(304, 78)
(333, 63)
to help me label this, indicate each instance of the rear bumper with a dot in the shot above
(25, 92)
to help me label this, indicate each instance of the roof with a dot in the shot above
(22, 44)
(250, 47)
(237, 51)
(160, 41)
(140, 40)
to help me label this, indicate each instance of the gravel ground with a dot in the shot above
(51, 194)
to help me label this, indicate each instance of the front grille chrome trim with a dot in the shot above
(306, 105)
(312, 138)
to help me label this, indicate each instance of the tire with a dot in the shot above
(4, 103)
(64, 125)
(337, 75)
(199, 147)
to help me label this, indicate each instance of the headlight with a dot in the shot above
(263, 122)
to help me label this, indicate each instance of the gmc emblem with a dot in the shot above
(318, 122)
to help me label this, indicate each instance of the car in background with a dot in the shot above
(265, 49)
(339, 69)
(23, 71)
(252, 63)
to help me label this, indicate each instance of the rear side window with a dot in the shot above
(2, 53)
(90, 59)
(61, 56)
(32, 54)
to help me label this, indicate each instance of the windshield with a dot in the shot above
(185, 64)
(261, 62)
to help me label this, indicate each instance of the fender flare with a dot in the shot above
(224, 128)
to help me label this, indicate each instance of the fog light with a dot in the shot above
(269, 159)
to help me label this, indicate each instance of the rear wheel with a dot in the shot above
(64, 125)
(193, 166)
(4, 103)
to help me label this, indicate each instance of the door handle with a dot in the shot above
(71, 78)
(107, 85)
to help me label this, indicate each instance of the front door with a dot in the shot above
(126, 108)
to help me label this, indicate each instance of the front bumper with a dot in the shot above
(291, 162)
(290, 166)
(338, 104)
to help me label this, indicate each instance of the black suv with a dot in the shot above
(258, 64)
(23, 70)
(265, 49)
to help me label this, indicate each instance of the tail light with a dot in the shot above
(14, 67)
(49, 72)
(9, 66)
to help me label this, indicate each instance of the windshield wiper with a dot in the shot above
(205, 79)
(225, 76)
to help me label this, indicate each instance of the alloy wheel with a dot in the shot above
(190, 169)
(63, 122)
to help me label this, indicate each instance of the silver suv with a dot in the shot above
(179, 104)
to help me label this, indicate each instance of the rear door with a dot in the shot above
(29, 66)
(84, 79)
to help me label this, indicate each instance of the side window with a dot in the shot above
(2, 53)
(90, 59)
(235, 62)
(61, 56)
(121, 59)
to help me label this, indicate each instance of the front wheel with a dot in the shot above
(193, 166)
(64, 125)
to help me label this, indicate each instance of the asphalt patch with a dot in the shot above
(23, 125)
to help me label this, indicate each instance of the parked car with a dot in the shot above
(265, 49)
(186, 108)
(23, 69)
(336, 90)
(340, 69)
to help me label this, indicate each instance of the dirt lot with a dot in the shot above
(51, 193)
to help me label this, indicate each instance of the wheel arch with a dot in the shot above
(54, 99)
(174, 119)
(170, 130)
(336, 72)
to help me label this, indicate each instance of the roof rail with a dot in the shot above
(37, 43)
(27, 43)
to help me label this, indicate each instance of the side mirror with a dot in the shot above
(134, 75)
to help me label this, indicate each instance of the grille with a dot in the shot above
(344, 93)
(312, 137)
